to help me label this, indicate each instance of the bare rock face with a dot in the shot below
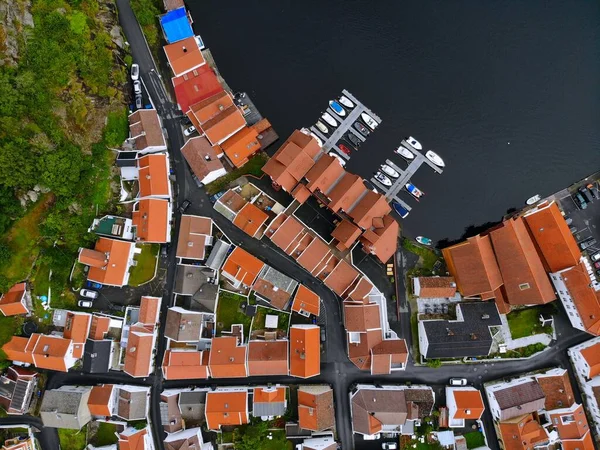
(15, 19)
(115, 34)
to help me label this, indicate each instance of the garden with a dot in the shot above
(283, 319)
(145, 269)
(230, 312)
(525, 322)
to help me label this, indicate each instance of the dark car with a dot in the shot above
(361, 129)
(591, 189)
(184, 206)
(585, 244)
(579, 201)
(93, 285)
(586, 194)
(353, 139)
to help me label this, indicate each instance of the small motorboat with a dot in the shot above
(338, 157)
(536, 198)
(435, 158)
(337, 108)
(345, 149)
(413, 190)
(369, 121)
(361, 129)
(401, 210)
(405, 153)
(414, 143)
(424, 240)
(379, 176)
(330, 120)
(389, 171)
(346, 102)
(370, 186)
(322, 128)
(317, 138)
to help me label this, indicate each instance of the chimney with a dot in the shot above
(467, 411)
(148, 177)
(184, 49)
(473, 337)
(302, 355)
(450, 332)
(221, 107)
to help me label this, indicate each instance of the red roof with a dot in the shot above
(185, 365)
(242, 266)
(113, 266)
(77, 326)
(13, 302)
(184, 55)
(307, 301)
(346, 193)
(153, 176)
(346, 233)
(591, 355)
(241, 146)
(586, 299)
(369, 207)
(382, 241)
(267, 358)
(138, 355)
(51, 352)
(151, 218)
(195, 86)
(305, 351)
(469, 404)
(149, 310)
(326, 171)
(341, 278)
(227, 358)
(250, 219)
(226, 408)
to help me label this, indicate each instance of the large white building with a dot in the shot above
(585, 358)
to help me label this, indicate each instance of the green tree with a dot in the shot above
(5, 253)
(434, 363)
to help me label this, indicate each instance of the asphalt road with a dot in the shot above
(336, 369)
(48, 437)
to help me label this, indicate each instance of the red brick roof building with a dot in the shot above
(17, 300)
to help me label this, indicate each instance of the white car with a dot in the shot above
(595, 256)
(88, 294)
(189, 131)
(135, 72)
(84, 303)
(137, 87)
(458, 382)
(389, 446)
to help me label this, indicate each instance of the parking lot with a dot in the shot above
(585, 223)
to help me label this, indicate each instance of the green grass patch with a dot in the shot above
(523, 352)
(283, 321)
(257, 436)
(9, 326)
(474, 439)
(146, 265)
(428, 257)
(525, 322)
(146, 12)
(229, 312)
(414, 329)
(72, 439)
(117, 128)
(252, 167)
(105, 435)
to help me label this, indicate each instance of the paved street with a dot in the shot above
(336, 369)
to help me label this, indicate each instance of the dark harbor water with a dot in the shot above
(507, 92)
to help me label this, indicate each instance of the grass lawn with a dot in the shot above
(105, 435)
(525, 322)
(72, 439)
(428, 257)
(475, 439)
(146, 265)
(229, 312)
(279, 442)
(9, 326)
(252, 167)
(261, 315)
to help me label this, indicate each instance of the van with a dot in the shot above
(579, 201)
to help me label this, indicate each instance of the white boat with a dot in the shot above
(389, 171)
(338, 157)
(405, 153)
(322, 128)
(424, 240)
(337, 108)
(369, 121)
(346, 102)
(330, 120)
(415, 191)
(317, 138)
(383, 179)
(435, 158)
(414, 143)
(536, 198)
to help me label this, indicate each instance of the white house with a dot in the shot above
(585, 358)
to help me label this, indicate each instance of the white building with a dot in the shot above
(585, 358)
(464, 403)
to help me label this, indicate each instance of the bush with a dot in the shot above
(434, 363)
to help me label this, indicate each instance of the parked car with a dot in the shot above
(573, 230)
(184, 206)
(85, 303)
(595, 256)
(135, 72)
(189, 131)
(458, 381)
(389, 446)
(323, 335)
(93, 285)
(568, 220)
(597, 264)
(586, 194)
(353, 139)
(137, 87)
(138, 101)
(585, 244)
(579, 201)
(591, 188)
(87, 293)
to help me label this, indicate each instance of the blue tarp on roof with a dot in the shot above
(176, 26)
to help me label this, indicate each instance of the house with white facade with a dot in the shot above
(585, 358)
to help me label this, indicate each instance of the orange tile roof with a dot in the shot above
(286, 233)
(233, 201)
(305, 351)
(553, 237)
(369, 207)
(99, 327)
(138, 355)
(241, 146)
(315, 253)
(115, 271)
(360, 353)
(473, 265)
(193, 233)
(267, 358)
(99, 400)
(223, 125)
(51, 352)
(184, 55)
(436, 287)
(263, 395)
(11, 303)
(315, 408)
(469, 404)
(381, 364)
(77, 327)
(341, 278)
(361, 317)
(203, 158)
(522, 433)
(146, 130)
(208, 108)
(195, 86)
(591, 355)
(359, 291)
(227, 358)
(149, 310)
(301, 193)
(133, 441)
(346, 233)
(278, 298)
(153, 178)
(571, 429)
(525, 280)
(382, 241)
(585, 298)
(250, 219)
(185, 365)
(16, 349)
(585, 443)
(242, 266)
(92, 258)
(557, 390)
(390, 352)
(151, 218)
(226, 408)
(306, 300)
(346, 193)
(326, 171)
